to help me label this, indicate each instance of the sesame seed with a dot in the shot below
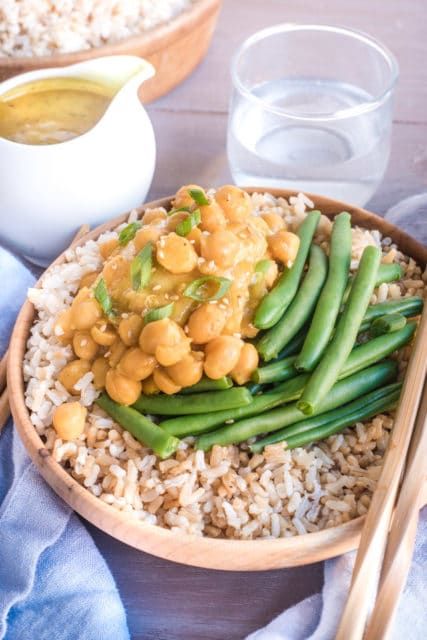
(103, 327)
(237, 335)
(157, 287)
(226, 301)
(201, 260)
(161, 254)
(83, 342)
(186, 329)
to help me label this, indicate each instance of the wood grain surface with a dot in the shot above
(166, 601)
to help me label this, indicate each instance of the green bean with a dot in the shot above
(386, 273)
(329, 303)
(176, 405)
(360, 357)
(143, 429)
(300, 309)
(293, 347)
(193, 425)
(324, 418)
(342, 392)
(408, 307)
(338, 350)
(276, 371)
(275, 303)
(206, 384)
(254, 388)
(388, 403)
(387, 324)
(376, 349)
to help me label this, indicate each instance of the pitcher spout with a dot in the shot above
(116, 72)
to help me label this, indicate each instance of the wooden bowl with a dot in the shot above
(188, 549)
(174, 49)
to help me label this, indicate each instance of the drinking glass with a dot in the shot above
(311, 110)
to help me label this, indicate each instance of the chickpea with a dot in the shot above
(130, 328)
(164, 382)
(84, 345)
(71, 374)
(183, 198)
(212, 217)
(100, 367)
(85, 311)
(221, 356)
(122, 389)
(169, 355)
(154, 216)
(221, 247)
(235, 202)
(206, 322)
(136, 365)
(88, 279)
(62, 328)
(176, 254)
(107, 248)
(195, 237)
(116, 353)
(146, 234)
(246, 365)
(103, 334)
(69, 420)
(116, 273)
(160, 332)
(274, 221)
(284, 246)
(149, 387)
(188, 371)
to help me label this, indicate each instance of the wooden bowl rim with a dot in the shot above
(186, 548)
(149, 41)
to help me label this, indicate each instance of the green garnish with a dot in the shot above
(198, 196)
(207, 288)
(173, 211)
(103, 297)
(192, 220)
(263, 266)
(128, 233)
(140, 268)
(159, 313)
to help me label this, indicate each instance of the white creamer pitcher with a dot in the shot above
(48, 191)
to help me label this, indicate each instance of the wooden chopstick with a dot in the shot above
(377, 524)
(4, 403)
(401, 539)
(3, 369)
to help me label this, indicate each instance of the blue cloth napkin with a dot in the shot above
(54, 584)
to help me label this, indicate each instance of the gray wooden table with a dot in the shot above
(167, 601)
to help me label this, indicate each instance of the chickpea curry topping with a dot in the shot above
(174, 300)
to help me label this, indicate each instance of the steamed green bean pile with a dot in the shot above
(326, 358)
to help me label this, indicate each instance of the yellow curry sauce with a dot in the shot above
(52, 110)
(167, 333)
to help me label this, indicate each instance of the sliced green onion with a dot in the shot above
(172, 211)
(128, 233)
(140, 268)
(159, 313)
(103, 297)
(198, 196)
(263, 266)
(192, 220)
(199, 289)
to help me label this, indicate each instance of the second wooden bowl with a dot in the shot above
(188, 549)
(174, 49)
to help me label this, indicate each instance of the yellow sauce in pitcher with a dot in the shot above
(52, 110)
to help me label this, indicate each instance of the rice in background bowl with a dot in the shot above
(48, 27)
(226, 492)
